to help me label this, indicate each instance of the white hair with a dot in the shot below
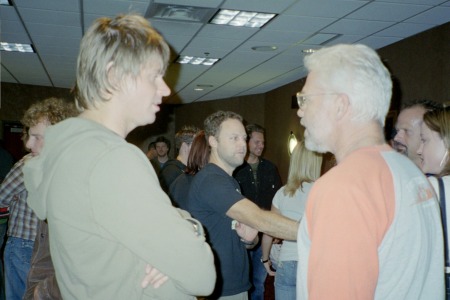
(357, 71)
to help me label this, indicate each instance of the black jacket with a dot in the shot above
(171, 170)
(269, 182)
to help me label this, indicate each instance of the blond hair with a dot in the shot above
(305, 166)
(438, 120)
(117, 47)
(51, 110)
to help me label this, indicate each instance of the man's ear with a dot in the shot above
(110, 73)
(342, 105)
(212, 141)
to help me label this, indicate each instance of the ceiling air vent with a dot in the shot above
(180, 13)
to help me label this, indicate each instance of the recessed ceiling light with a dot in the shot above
(197, 60)
(309, 51)
(241, 18)
(201, 87)
(16, 47)
(264, 48)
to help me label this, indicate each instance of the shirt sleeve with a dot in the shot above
(346, 224)
(220, 200)
(12, 185)
(277, 198)
(129, 203)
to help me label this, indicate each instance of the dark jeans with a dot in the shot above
(17, 259)
(258, 273)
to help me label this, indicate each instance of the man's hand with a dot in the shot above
(247, 233)
(153, 277)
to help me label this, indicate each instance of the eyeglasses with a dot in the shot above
(301, 98)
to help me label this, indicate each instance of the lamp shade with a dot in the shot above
(292, 142)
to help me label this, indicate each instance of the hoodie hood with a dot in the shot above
(39, 171)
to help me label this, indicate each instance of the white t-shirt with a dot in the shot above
(293, 208)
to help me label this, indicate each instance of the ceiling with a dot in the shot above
(55, 27)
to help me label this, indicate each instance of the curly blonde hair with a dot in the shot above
(52, 110)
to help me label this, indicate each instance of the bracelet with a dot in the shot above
(264, 261)
(247, 242)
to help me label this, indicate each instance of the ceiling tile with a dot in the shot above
(382, 11)
(177, 42)
(283, 79)
(8, 13)
(356, 27)
(6, 77)
(12, 27)
(176, 28)
(59, 62)
(304, 24)
(345, 39)
(437, 15)
(178, 75)
(197, 3)
(227, 32)
(247, 46)
(241, 60)
(40, 16)
(210, 44)
(321, 38)
(50, 41)
(25, 67)
(59, 5)
(58, 31)
(114, 7)
(324, 8)
(377, 42)
(297, 50)
(60, 50)
(404, 29)
(425, 2)
(201, 52)
(279, 36)
(16, 38)
(284, 63)
(261, 5)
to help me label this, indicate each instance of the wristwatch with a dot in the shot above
(264, 261)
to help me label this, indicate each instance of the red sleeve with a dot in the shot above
(348, 216)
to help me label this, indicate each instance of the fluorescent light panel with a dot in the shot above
(5, 2)
(16, 47)
(241, 18)
(197, 60)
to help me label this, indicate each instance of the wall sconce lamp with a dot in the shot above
(292, 142)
